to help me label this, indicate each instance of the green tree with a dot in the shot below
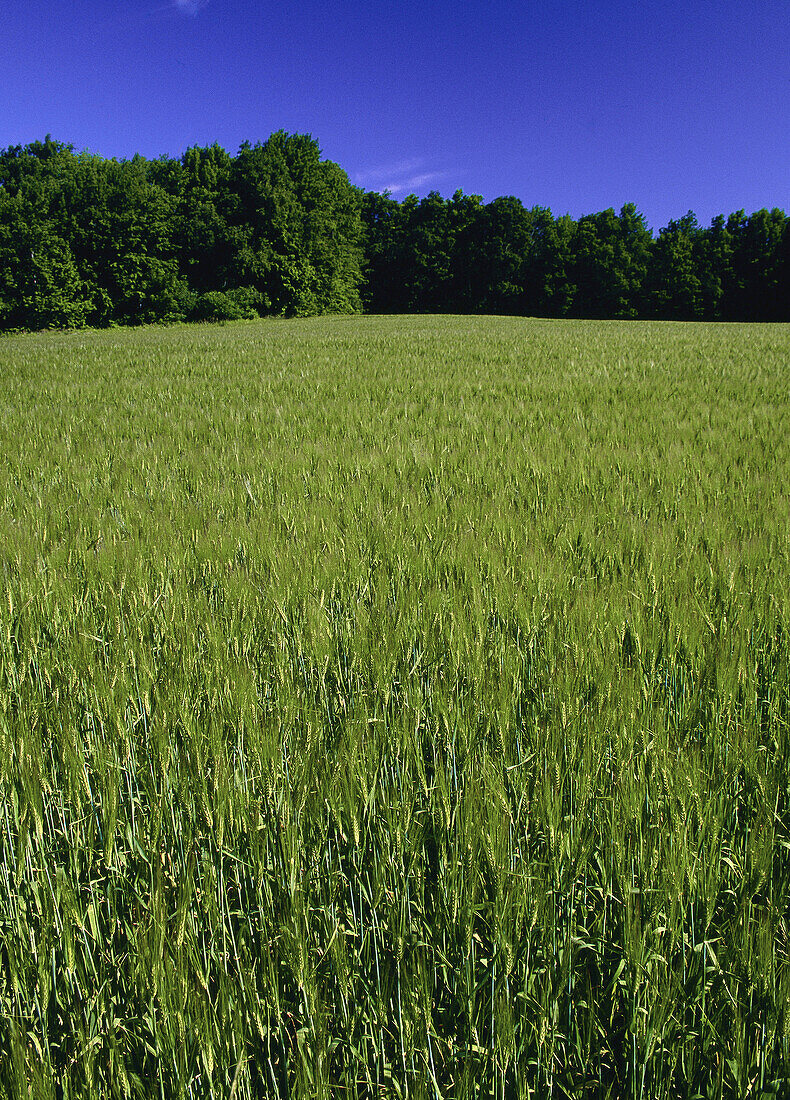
(119, 226)
(387, 257)
(40, 283)
(783, 275)
(128, 242)
(205, 241)
(504, 256)
(40, 286)
(279, 230)
(674, 284)
(53, 293)
(299, 227)
(431, 245)
(715, 267)
(609, 263)
(755, 290)
(521, 257)
(466, 216)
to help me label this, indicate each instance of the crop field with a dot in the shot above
(395, 707)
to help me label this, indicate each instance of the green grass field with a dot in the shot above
(395, 707)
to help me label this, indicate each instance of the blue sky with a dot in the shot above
(572, 104)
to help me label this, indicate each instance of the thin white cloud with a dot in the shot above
(399, 168)
(413, 183)
(402, 176)
(190, 7)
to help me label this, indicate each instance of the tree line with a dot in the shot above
(462, 255)
(276, 230)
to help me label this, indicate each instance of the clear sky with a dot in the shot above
(577, 105)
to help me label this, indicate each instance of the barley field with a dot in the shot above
(395, 708)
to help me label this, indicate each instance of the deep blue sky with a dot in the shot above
(573, 104)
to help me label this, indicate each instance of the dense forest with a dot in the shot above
(276, 230)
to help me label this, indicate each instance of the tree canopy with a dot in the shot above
(86, 240)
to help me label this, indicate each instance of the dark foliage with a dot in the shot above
(84, 240)
(276, 230)
(460, 256)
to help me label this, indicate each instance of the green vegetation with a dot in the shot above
(395, 707)
(275, 230)
(85, 240)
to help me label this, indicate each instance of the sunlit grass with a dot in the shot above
(395, 707)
